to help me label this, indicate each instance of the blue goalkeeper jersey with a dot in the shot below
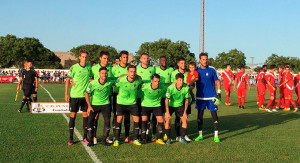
(206, 87)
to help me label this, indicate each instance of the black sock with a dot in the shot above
(127, 125)
(144, 129)
(136, 130)
(159, 130)
(183, 132)
(23, 103)
(118, 131)
(200, 119)
(215, 120)
(154, 123)
(177, 126)
(71, 127)
(35, 99)
(85, 122)
(95, 127)
(168, 132)
(28, 104)
(114, 122)
(106, 128)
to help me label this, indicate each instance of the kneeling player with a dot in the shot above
(177, 100)
(99, 91)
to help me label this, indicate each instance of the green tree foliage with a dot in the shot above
(13, 51)
(94, 51)
(274, 59)
(165, 47)
(234, 57)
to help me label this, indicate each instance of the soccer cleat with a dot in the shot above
(91, 143)
(71, 142)
(183, 141)
(19, 111)
(116, 143)
(257, 103)
(226, 103)
(277, 108)
(86, 140)
(262, 109)
(274, 110)
(268, 110)
(144, 141)
(168, 142)
(136, 142)
(243, 107)
(296, 109)
(153, 138)
(216, 139)
(108, 140)
(240, 107)
(286, 109)
(165, 137)
(104, 143)
(200, 137)
(128, 140)
(159, 141)
(178, 138)
(95, 140)
(229, 104)
(187, 138)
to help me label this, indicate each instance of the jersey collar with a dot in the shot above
(178, 89)
(129, 81)
(152, 88)
(82, 66)
(100, 83)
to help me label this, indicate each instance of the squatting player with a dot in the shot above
(206, 94)
(80, 73)
(241, 79)
(227, 77)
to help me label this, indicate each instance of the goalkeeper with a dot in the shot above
(206, 95)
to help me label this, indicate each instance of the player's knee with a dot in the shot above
(73, 115)
(119, 119)
(160, 119)
(84, 114)
(144, 118)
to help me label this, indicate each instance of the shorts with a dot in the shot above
(261, 91)
(281, 90)
(123, 109)
(139, 104)
(27, 90)
(209, 104)
(163, 104)
(33, 90)
(288, 93)
(241, 92)
(113, 102)
(78, 103)
(189, 109)
(104, 109)
(227, 88)
(272, 93)
(178, 111)
(157, 111)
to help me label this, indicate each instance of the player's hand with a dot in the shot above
(89, 110)
(36, 89)
(67, 98)
(72, 83)
(274, 88)
(216, 101)
(18, 88)
(184, 116)
(167, 116)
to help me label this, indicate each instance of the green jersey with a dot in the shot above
(81, 77)
(177, 97)
(145, 73)
(118, 70)
(151, 97)
(95, 70)
(165, 75)
(100, 92)
(173, 76)
(127, 90)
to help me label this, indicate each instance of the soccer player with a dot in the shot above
(80, 73)
(227, 77)
(29, 79)
(127, 86)
(104, 58)
(151, 98)
(297, 88)
(207, 96)
(281, 89)
(261, 87)
(97, 98)
(177, 100)
(241, 79)
(117, 71)
(288, 84)
(270, 79)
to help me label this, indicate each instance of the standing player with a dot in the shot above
(30, 83)
(288, 84)
(227, 77)
(151, 98)
(281, 89)
(126, 102)
(80, 74)
(297, 88)
(177, 100)
(192, 77)
(99, 90)
(206, 95)
(117, 71)
(270, 79)
(240, 81)
(261, 87)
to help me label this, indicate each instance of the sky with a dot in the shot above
(256, 27)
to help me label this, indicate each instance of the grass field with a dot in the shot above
(246, 136)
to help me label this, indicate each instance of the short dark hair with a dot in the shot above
(29, 60)
(263, 66)
(123, 52)
(131, 66)
(104, 52)
(242, 66)
(228, 64)
(163, 56)
(179, 75)
(272, 67)
(281, 66)
(203, 54)
(193, 64)
(155, 76)
(103, 68)
(81, 51)
(144, 54)
(180, 59)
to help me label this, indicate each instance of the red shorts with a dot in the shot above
(261, 91)
(281, 90)
(288, 93)
(272, 92)
(227, 88)
(241, 92)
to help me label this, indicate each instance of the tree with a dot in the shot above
(94, 51)
(165, 47)
(274, 59)
(234, 57)
(13, 51)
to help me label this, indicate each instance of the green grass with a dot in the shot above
(246, 136)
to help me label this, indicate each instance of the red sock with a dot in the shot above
(278, 102)
(273, 104)
(287, 103)
(258, 98)
(243, 101)
(293, 103)
(261, 101)
(298, 102)
(283, 101)
(227, 98)
(239, 101)
(269, 103)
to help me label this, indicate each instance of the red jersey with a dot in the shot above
(290, 84)
(227, 76)
(271, 78)
(297, 82)
(280, 76)
(259, 77)
(191, 76)
(241, 79)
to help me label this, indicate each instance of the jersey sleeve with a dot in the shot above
(92, 71)
(143, 87)
(71, 73)
(168, 93)
(89, 89)
(215, 75)
(187, 94)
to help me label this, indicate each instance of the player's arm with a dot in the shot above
(36, 84)
(248, 84)
(283, 83)
(186, 105)
(167, 115)
(234, 84)
(19, 87)
(88, 102)
(66, 89)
